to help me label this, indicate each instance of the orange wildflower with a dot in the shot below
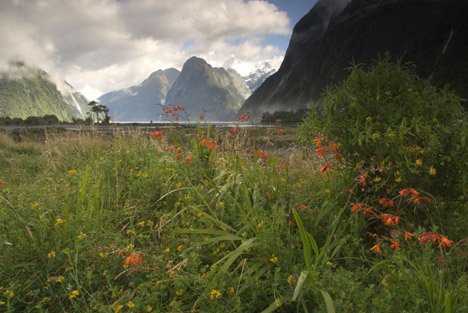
(2, 184)
(167, 110)
(428, 237)
(389, 219)
(367, 211)
(317, 142)
(156, 134)
(388, 203)
(261, 154)
(281, 131)
(408, 192)
(319, 151)
(244, 117)
(176, 108)
(395, 245)
(210, 144)
(134, 259)
(188, 159)
(302, 206)
(376, 248)
(356, 206)
(407, 235)
(326, 167)
(233, 132)
(338, 155)
(444, 242)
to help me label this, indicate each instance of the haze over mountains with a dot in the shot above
(429, 33)
(26, 90)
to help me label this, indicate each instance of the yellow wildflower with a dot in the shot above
(9, 294)
(51, 255)
(179, 292)
(34, 205)
(180, 248)
(118, 307)
(221, 204)
(215, 294)
(71, 172)
(278, 302)
(103, 255)
(377, 180)
(75, 293)
(329, 263)
(46, 300)
(432, 171)
(131, 305)
(291, 280)
(2, 302)
(81, 236)
(398, 179)
(274, 259)
(59, 221)
(141, 223)
(149, 308)
(418, 162)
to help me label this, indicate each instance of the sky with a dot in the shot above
(103, 45)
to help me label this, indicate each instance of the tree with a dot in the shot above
(101, 112)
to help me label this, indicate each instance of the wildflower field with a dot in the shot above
(367, 213)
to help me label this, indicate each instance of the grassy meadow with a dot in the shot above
(234, 220)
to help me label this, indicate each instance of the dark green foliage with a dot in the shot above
(390, 119)
(284, 117)
(32, 96)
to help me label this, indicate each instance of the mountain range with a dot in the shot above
(431, 34)
(216, 93)
(142, 102)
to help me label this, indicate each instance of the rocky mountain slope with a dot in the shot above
(432, 34)
(141, 102)
(258, 77)
(26, 90)
(202, 89)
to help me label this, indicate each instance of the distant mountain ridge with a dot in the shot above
(258, 77)
(141, 102)
(26, 90)
(429, 33)
(202, 89)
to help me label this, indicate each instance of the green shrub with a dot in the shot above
(389, 122)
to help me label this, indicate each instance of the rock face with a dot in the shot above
(26, 90)
(258, 77)
(202, 89)
(141, 102)
(432, 34)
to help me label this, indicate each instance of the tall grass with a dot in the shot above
(132, 223)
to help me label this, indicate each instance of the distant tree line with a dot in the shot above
(284, 117)
(97, 113)
(50, 119)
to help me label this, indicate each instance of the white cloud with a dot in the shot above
(101, 45)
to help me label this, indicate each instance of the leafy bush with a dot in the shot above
(397, 127)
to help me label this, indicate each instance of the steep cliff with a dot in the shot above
(431, 34)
